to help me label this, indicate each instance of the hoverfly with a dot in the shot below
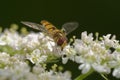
(59, 36)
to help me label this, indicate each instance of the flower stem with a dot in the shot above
(83, 76)
(104, 76)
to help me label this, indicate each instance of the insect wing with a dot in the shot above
(34, 25)
(69, 27)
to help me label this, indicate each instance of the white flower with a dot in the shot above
(4, 58)
(16, 71)
(10, 38)
(40, 48)
(5, 74)
(86, 38)
(55, 76)
(36, 57)
(112, 64)
(111, 42)
(68, 53)
(38, 40)
(115, 63)
(38, 69)
(79, 59)
(101, 68)
(64, 59)
(30, 41)
(2, 43)
(92, 54)
(50, 43)
(79, 45)
(85, 68)
(116, 72)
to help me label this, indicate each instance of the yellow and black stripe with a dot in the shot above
(48, 25)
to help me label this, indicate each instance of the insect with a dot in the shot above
(59, 36)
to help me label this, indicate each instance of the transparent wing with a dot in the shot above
(69, 27)
(34, 25)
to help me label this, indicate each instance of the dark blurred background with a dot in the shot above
(101, 16)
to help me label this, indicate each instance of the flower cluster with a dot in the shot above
(24, 56)
(99, 54)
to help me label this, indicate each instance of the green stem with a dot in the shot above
(104, 76)
(83, 76)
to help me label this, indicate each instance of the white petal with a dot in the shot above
(2, 43)
(101, 68)
(72, 58)
(64, 60)
(116, 73)
(81, 66)
(86, 68)
(113, 63)
(78, 59)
